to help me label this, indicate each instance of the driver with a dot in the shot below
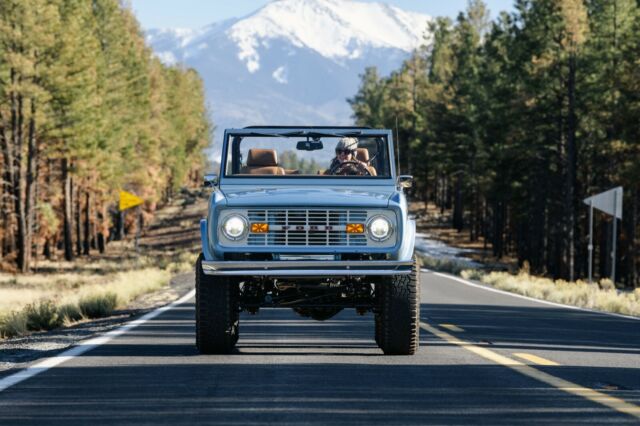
(345, 162)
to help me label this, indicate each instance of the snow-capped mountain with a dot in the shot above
(292, 61)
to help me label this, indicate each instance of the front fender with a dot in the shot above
(408, 241)
(203, 238)
(216, 199)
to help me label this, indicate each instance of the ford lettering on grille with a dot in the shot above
(302, 227)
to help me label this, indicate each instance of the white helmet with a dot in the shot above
(345, 144)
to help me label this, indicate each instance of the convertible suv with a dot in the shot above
(292, 225)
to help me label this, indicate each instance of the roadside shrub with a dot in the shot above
(472, 274)
(602, 296)
(69, 313)
(606, 284)
(98, 305)
(42, 316)
(13, 324)
(442, 265)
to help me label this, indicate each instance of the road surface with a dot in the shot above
(485, 358)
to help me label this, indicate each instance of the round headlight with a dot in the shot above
(379, 228)
(234, 227)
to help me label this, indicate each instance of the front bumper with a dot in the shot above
(307, 268)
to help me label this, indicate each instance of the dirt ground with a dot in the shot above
(177, 225)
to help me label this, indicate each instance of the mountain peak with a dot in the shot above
(336, 29)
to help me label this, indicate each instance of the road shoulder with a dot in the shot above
(20, 352)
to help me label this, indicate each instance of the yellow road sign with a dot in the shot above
(128, 200)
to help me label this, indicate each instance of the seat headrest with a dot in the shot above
(362, 154)
(262, 158)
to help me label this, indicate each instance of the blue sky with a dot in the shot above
(198, 13)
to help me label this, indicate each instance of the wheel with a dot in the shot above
(217, 313)
(398, 322)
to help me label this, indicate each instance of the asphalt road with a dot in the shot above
(483, 365)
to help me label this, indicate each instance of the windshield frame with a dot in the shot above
(230, 134)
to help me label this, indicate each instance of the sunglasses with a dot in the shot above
(344, 151)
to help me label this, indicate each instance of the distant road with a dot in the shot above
(486, 358)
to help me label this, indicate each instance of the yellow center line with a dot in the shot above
(451, 327)
(558, 383)
(534, 359)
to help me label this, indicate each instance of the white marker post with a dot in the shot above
(609, 202)
(590, 241)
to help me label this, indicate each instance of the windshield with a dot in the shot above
(307, 156)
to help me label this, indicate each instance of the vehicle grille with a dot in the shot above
(302, 227)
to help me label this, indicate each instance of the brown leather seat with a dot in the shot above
(362, 154)
(262, 162)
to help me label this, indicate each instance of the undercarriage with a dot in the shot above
(315, 298)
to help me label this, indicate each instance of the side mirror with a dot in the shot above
(404, 181)
(210, 180)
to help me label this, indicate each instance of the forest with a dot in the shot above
(86, 110)
(509, 124)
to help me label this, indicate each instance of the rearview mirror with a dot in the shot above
(309, 145)
(210, 180)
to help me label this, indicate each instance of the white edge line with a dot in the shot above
(86, 346)
(545, 302)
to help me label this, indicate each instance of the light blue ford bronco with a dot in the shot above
(313, 219)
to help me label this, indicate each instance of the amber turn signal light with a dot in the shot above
(355, 228)
(259, 228)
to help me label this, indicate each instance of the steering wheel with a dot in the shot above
(350, 168)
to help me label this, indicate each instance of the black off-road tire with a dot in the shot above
(217, 313)
(398, 322)
(377, 328)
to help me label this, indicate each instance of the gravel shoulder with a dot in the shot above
(18, 353)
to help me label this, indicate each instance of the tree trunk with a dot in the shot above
(87, 224)
(498, 229)
(101, 239)
(95, 225)
(8, 242)
(68, 217)
(605, 248)
(78, 219)
(19, 176)
(458, 213)
(569, 204)
(46, 251)
(31, 186)
(121, 227)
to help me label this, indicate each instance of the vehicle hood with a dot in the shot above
(306, 196)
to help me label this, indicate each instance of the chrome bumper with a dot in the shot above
(307, 268)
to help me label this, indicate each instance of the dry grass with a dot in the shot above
(82, 290)
(601, 296)
(98, 305)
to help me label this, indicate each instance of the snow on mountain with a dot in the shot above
(292, 61)
(332, 28)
